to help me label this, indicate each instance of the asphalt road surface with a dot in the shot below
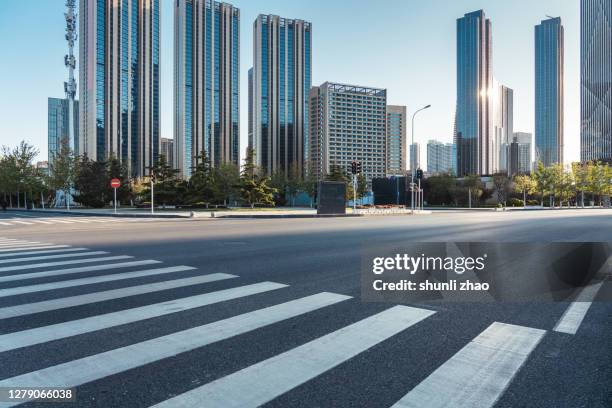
(237, 313)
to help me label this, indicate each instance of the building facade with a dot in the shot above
(473, 139)
(520, 153)
(167, 150)
(348, 123)
(206, 83)
(503, 126)
(58, 123)
(596, 80)
(119, 76)
(281, 81)
(415, 156)
(396, 140)
(549, 91)
(440, 157)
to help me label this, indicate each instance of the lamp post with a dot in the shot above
(412, 192)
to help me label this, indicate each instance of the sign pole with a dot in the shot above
(115, 191)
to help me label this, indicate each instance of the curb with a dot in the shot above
(271, 217)
(90, 214)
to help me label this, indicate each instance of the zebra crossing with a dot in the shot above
(476, 376)
(17, 221)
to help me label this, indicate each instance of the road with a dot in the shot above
(222, 313)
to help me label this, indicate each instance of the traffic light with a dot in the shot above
(358, 168)
(354, 167)
(419, 174)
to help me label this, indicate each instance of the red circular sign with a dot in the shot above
(115, 183)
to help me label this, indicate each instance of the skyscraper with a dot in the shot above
(549, 91)
(281, 84)
(524, 142)
(439, 157)
(119, 81)
(58, 124)
(596, 80)
(340, 136)
(206, 86)
(167, 149)
(475, 152)
(396, 140)
(503, 125)
(415, 156)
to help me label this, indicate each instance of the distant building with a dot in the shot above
(396, 140)
(281, 82)
(525, 146)
(503, 125)
(596, 80)
(58, 123)
(167, 150)
(43, 167)
(473, 138)
(549, 91)
(415, 156)
(207, 85)
(440, 157)
(341, 135)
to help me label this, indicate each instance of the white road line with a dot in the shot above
(266, 380)
(97, 366)
(5, 223)
(79, 300)
(41, 258)
(478, 374)
(18, 243)
(577, 310)
(51, 251)
(60, 221)
(91, 280)
(70, 271)
(40, 221)
(73, 219)
(22, 222)
(58, 263)
(42, 246)
(44, 334)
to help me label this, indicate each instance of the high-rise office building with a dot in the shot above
(503, 125)
(596, 80)
(119, 76)
(348, 123)
(58, 123)
(396, 140)
(415, 156)
(250, 120)
(524, 143)
(549, 91)
(281, 82)
(475, 152)
(206, 85)
(440, 157)
(167, 150)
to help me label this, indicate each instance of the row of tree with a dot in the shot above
(552, 185)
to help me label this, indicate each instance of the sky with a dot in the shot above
(405, 46)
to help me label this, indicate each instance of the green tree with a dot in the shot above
(362, 186)
(254, 188)
(438, 188)
(599, 180)
(91, 183)
(309, 185)
(523, 183)
(543, 178)
(581, 176)
(293, 182)
(227, 180)
(63, 170)
(336, 173)
(474, 186)
(166, 185)
(117, 169)
(202, 183)
(21, 170)
(502, 184)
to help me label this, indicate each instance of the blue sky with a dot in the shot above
(406, 46)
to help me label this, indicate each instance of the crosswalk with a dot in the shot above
(19, 221)
(476, 376)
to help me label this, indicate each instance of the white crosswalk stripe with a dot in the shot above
(479, 373)
(39, 335)
(268, 379)
(20, 290)
(31, 220)
(51, 251)
(101, 365)
(46, 246)
(41, 258)
(58, 263)
(70, 271)
(62, 303)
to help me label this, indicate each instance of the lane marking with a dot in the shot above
(45, 246)
(60, 221)
(44, 334)
(5, 223)
(575, 313)
(18, 243)
(91, 280)
(58, 263)
(22, 222)
(70, 271)
(51, 251)
(79, 300)
(268, 379)
(42, 258)
(97, 366)
(478, 374)
(41, 221)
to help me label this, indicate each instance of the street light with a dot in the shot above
(411, 166)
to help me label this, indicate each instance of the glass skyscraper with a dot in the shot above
(396, 140)
(281, 81)
(206, 82)
(596, 80)
(440, 157)
(58, 111)
(119, 81)
(473, 126)
(549, 91)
